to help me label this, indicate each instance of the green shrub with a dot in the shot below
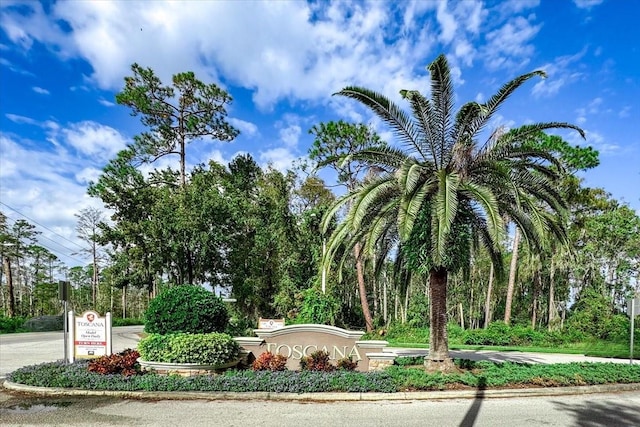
(496, 334)
(404, 333)
(46, 323)
(10, 325)
(409, 360)
(455, 333)
(205, 349)
(418, 311)
(318, 308)
(346, 364)
(186, 308)
(129, 321)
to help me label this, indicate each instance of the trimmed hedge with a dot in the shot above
(206, 349)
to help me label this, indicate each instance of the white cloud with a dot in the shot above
(94, 139)
(40, 90)
(510, 46)
(510, 7)
(595, 139)
(279, 158)
(88, 175)
(44, 188)
(592, 108)
(16, 118)
(587, 4)
(286, 55)
(106, 103)
(625, 112)
(246, 128)
(548, 88)
(447, 23)
(559, 73)
(290, 135)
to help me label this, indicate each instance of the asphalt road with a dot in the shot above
(17, 350)
(591, 410)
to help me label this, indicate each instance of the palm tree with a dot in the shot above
(444, 191)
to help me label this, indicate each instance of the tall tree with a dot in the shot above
(7, 250)
(88, 229)
(333, 145)
(124, 190)
(447, 190)
(174, 115)
(572, 159)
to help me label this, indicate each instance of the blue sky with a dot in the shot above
(61, 64)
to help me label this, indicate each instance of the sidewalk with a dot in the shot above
(512, 356)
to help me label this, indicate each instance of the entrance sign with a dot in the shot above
(298, 341)
(90, 335)
(270, 323)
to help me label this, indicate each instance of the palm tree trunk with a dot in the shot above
(536, 292)
(487, 303)
(552, 297)
(438, 358)
(512, 276)
(362, 289)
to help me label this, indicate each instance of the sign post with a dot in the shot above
(632, 304)
(63, 294)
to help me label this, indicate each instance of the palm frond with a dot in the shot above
(446, 208)
(490, 206)
(491, 106)
(408, 211)
(335, 208)
(442, 98)
(387, 110)
(423, 112)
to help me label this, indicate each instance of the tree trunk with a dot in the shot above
(384, 301)
(487, 303)
(9, 278)
(362, 289)
(512, 276)
(124, 302)
(438, 358)
(552, 302)
(534, 310)
(94, 279)
(405, 311)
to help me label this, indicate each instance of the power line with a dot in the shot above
(56, 252)
(45, 227)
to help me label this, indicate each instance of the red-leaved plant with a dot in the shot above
(317, 361)
(270, 362)
(125, 363)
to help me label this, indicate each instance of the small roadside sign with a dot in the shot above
(90, 335)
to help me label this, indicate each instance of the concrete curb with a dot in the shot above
(331, 396)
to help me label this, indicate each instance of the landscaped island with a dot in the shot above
(403, 376)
